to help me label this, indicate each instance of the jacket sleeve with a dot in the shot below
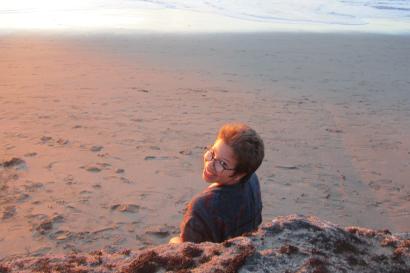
(195, 224)
(193, 230)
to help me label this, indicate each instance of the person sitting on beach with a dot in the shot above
(231, 205)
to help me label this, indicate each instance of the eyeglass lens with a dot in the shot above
(210, 156)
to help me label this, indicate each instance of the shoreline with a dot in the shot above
(131, 34)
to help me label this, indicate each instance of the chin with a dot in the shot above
(207, 178)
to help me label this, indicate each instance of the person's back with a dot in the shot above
(223, 212)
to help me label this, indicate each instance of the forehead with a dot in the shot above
(224, 152)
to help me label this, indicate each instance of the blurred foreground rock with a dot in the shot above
(289, 244)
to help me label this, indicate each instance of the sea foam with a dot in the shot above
(209, 15)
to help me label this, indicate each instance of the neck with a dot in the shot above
(217, 184)
(213, 185)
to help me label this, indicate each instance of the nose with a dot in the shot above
(210, 166)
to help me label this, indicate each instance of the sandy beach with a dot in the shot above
(101, 136)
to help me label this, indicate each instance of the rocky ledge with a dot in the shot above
(289, 244)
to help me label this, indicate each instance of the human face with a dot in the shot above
(220, 167)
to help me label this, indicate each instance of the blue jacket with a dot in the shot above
(222, 212)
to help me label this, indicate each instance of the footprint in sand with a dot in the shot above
(185, 152)
(10, 147)
(45, 139)
(287, 167)
(104, 165)
(51, 165)
(271, 177)
(8, 212)
(32, 187)
(131, 208)
(161, 231)
(50, 141)
(62, 141)
(150, 157)
(15, 163)
(30, 154)
(376, 185)
(92, 169)
(69, 179)
(140, 90)
(22, 197)
(405, 197)
(334, 130)
(97, 167)
(120, 171)
(45, 226)
(61, 235)
(73, 209)
(126, 180)
(96, 148)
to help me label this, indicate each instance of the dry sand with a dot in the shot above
(109, 131)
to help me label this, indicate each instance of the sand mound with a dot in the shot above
(289, 244)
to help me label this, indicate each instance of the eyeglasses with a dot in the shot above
(219, 165)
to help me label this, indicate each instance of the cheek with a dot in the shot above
(207, 165)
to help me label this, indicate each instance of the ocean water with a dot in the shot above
(392, 16)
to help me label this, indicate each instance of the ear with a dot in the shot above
(237, 177)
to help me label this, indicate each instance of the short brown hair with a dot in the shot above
(247, 146)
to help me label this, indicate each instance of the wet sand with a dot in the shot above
(107, 131)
